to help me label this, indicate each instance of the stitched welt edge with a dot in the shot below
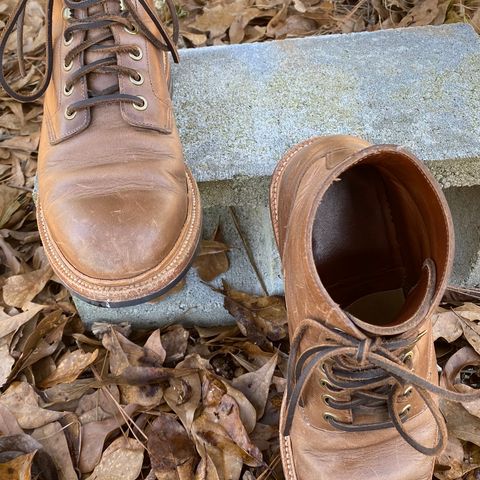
(168, 273)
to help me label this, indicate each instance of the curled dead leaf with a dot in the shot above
(122, 460)
(172, 453)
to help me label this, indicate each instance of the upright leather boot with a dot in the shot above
(366, 242)
(118, 210)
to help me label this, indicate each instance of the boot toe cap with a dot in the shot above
(116, 237)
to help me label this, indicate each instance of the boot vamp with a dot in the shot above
(381, 454)
(114, 197)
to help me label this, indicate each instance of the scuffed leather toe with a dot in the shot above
(115, 237)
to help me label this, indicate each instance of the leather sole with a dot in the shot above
(143, 287)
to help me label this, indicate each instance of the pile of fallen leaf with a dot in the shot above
(175, 404)
(237, 21)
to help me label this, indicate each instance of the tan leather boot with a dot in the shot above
(118, 210)
(366, 241)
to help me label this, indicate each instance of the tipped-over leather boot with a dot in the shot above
(118, 210)
(366, 242)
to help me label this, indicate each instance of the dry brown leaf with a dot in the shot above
(21, 289)
(449, 465)
(94, 435)
(43, 340)
(18, 468)
(11, 200)
(221, 438)
(65, 393)
(52, 438)
(172, 453)
(183, 397)
(426, 12)
(106, 398)
(256, 385)
(154, 343)
(212, 260)
(8, 423)
(447, 325)
(70, 366)
(22, 401)
(137, 365)
(36, 461)
(259, 318)
(9, 326)
(460, 423)
(122, 460)
(175, 342)
(468, 316)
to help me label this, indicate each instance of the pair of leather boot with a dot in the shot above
(364, 234)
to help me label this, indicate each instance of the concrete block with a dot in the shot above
(240, 107)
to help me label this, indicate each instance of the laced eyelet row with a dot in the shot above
(329, 416)
(135, 80)
(70, 115)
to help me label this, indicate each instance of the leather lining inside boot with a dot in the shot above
(369, 243)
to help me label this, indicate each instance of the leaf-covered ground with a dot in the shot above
(175, 404)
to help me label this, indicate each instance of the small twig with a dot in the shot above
(248, 250)
(24, 189)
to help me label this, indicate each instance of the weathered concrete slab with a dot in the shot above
(240, 107)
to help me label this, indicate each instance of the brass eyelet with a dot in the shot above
(138, 56)
(132, 31)
(408, 356)
(68, 91)
(68, 67)
(68, 42)
(137, 81)
(142, 106)
(408, 391)
(326, 399)
(325, 383)
(406, 410)
(67, 13)
(70, 116)
(327, 416)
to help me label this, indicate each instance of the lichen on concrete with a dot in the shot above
(240, 107)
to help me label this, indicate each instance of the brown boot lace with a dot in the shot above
(101, 24)
(375, 371)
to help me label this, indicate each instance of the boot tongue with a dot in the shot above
(98, 82)
(414, 309)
